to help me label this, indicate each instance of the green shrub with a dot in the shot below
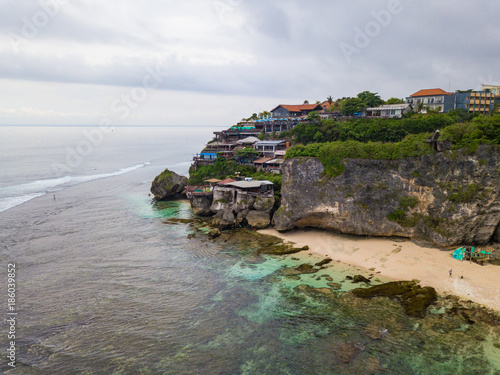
(465, 195)
(221, 169)
(481, 130)
(162, 176)
(400, 215)
(408, 202)
(368, 130)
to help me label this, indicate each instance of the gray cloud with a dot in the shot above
(261, 49)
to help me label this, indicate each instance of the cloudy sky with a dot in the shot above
(212, 62)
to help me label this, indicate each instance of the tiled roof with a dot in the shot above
(226, 181)
(327, 105)
(431, 92)
(299, 108)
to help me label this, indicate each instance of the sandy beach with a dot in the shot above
(399, 259)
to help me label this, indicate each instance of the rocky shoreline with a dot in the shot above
(415, 301)
(446, 199)
(226, 208)
(234, 220)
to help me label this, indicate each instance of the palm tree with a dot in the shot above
(306, 101)
(329, 100)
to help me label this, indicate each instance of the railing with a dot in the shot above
(198, 191)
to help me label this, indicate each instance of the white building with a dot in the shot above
(388, 111)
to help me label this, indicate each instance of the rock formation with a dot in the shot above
(168, 185)
(236, 207)
(450, 198)
(201, 205)
(414, 299)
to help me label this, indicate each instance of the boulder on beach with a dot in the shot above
(168, 185)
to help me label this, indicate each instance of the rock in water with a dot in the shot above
(360, 279)
(201, 205)
(224, 219)
(414, 299)
(258, 219)
(347, 351)
(374, 332)
(214, 233)
(168, 185)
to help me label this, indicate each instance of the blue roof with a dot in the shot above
(209, 154)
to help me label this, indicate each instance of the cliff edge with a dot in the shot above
(446, 198)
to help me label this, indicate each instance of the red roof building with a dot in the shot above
(288, 110)
(435, 99)
(430, 92)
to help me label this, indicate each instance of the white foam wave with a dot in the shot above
(12, 196)
(34, 187)
(81, 179)
(9, 202)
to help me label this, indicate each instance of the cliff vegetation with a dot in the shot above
(402, 188)
(469, 135)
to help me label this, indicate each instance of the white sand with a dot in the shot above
(405, 261)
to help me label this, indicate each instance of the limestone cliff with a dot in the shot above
(449, 198)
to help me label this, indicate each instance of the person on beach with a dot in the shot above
(450, 272)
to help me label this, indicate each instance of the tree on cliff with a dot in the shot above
(313, 116)
(370, 99)
(247, 154)
(394, 101)
(350, 106)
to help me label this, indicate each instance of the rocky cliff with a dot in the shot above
(233, 207)
(168, 185)
(449, 198)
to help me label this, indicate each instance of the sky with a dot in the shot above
(213, 62)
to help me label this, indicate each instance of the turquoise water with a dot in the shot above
(110, 283)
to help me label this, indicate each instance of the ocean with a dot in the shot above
(108, 282)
